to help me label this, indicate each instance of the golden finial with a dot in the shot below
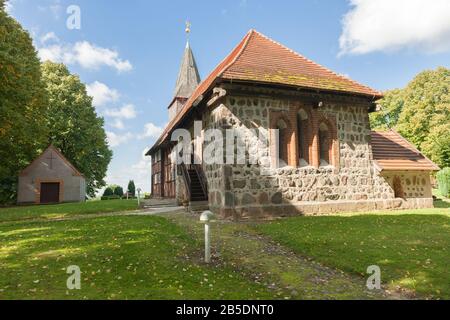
(188, 27)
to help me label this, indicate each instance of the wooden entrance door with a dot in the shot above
(50, 192)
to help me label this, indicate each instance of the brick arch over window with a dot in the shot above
(325, 144)
(286, 149)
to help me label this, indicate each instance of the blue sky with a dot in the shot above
(128, 52)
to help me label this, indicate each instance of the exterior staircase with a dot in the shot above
(196, 188)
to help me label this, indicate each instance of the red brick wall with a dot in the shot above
(310, 131)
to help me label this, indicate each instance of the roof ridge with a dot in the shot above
(246, 40)
(413, 147)
(313, 62)
(60, 154)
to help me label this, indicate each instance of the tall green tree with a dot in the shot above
(131, 188)
(118, 191)
(392, 106)
(421, 113)
(74, 126)
(23, 103)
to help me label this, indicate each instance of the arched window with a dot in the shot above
(303, 145)
(325, 144)
(283, 142)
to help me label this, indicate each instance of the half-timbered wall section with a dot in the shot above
(157, 173)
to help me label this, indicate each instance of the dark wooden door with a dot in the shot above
(50, 192)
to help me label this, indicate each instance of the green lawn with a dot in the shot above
(149, 257)
(67, 209)
(121, 257)
(412, 248)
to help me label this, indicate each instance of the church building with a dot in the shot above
(315, 153)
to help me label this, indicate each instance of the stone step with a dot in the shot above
(198, 206)
(158, 203)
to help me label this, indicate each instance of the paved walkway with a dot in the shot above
(141, 212)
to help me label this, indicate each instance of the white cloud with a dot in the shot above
(388, 25)
(140, 172)
(144, 165)
(87, 55)
(118, 124)
(102, 94)
(90, 56)
(126, 112)
(49, 37)
(115, 140)
(151, 131)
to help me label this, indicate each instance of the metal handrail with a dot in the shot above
(187, 178)
(201, 176)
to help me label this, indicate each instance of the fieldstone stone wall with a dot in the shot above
(351, 180)
(414, 184)
(257, 190)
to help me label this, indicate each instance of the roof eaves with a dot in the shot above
(191, 101)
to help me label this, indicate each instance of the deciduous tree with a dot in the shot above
(421, 113)
(22, 104)
(74, 126)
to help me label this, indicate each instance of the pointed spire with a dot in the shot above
(188, 77)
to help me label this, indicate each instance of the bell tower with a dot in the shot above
(187, 81)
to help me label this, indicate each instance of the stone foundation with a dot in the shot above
(255, 212)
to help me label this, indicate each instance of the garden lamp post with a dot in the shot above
(206, 218)
(139, 196)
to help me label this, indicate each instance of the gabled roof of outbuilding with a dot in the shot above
(258, 59)
(392, 152)
(56, 150)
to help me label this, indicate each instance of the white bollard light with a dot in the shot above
(139, 196)
(206, 218)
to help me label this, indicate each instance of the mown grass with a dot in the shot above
(412, 248)
(65, 210)
(120, 257)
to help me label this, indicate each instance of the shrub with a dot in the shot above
(118, 191)
(108, 192)
(443, 178)
(112, 197)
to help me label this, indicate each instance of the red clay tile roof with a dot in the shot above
(265, 60)
(259, 59)
(393, 152)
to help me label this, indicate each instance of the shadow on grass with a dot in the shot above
(119, 257)
(412, 250)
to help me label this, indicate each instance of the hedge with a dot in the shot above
(114, 197)
(443, 178)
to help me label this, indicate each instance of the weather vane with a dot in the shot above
(188, 27)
